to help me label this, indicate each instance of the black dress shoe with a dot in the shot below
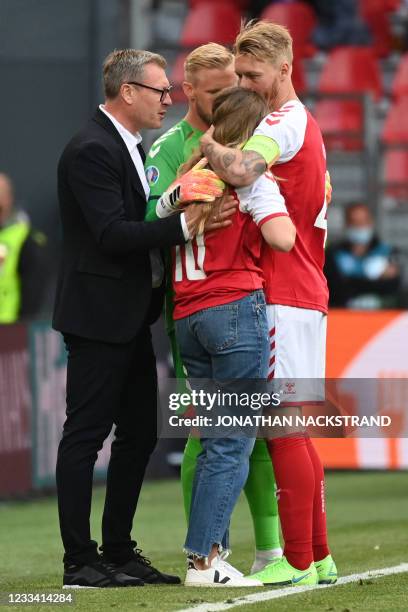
(97, 575)
(140, 567)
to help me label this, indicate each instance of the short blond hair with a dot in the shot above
(210, 56)
(265, 40)
(124, 65)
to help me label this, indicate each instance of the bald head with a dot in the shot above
(6, 198)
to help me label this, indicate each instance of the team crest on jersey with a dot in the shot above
(152, 175)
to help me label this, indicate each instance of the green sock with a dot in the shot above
(260, 493)
(177, 363)
(193, 446)
(188, 466)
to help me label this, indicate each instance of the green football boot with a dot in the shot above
(326, 570)
(281, 573)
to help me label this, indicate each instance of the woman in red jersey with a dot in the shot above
(221, 328)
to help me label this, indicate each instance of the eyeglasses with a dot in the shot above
(163, 92)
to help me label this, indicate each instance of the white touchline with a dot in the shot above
(244, 600)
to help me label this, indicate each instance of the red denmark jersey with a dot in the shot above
(296, 278)
(222, 266)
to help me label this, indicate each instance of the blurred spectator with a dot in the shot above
(362, 271)
(256, 7)
(403, 24)
(22, 260)
(167, 19)
(339, 21)
(339, 24)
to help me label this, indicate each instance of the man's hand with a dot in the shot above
(221, 213)
(219, 217)
(197, 185)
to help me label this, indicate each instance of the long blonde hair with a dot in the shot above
(236, 114)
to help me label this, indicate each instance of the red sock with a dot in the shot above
(295, 481)
(320, 545)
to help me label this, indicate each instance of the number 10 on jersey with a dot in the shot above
(193, 259)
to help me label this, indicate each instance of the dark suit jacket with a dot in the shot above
(104, 290)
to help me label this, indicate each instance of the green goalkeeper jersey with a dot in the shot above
(165, 157)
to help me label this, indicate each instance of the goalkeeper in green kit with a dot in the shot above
(208, 70)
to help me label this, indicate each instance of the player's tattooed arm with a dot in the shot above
(236, 167)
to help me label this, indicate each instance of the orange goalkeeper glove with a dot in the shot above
(328, 187)
(197, 185)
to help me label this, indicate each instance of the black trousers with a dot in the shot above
(106, 384)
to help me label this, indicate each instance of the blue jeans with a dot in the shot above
(222, 342)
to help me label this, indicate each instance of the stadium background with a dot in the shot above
(51, 53)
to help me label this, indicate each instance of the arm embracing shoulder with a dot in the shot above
(241, 167)
(267, 207)
(279, 232)
(234, 166)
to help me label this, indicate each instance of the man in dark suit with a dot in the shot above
(109, 291)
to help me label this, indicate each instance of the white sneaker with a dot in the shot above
(264, 557)
(218, 575)
(227, 566)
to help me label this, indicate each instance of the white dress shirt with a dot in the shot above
(131, 141)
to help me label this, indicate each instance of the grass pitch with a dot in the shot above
(368, 528)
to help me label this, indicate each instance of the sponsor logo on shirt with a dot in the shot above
(153, 152)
